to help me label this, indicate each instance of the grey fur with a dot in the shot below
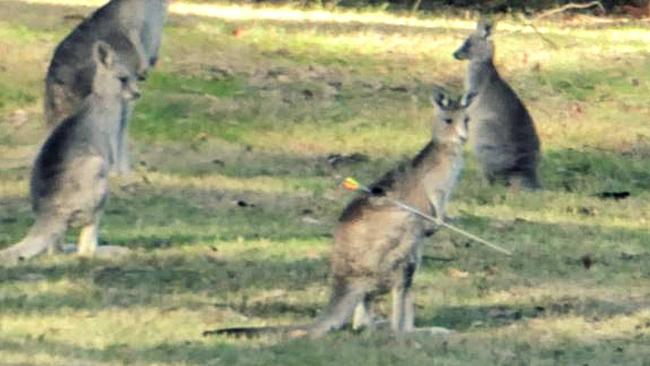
(503, 133)
(69, 183)
(133, 28)
(376, 244)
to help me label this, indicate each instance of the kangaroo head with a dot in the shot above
(112, 78)
(478, 46)
(450, 124)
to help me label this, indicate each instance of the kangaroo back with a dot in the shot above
(502, 131)
(376, 241)
(69, 182)
(133, 29)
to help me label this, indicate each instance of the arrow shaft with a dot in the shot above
(440, 222)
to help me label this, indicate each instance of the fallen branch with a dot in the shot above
(416, 6)
(570, 6)
(438, 259)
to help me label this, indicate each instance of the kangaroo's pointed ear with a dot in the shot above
(440, 100)
(485, 27)
(103, 54)
(467, 99)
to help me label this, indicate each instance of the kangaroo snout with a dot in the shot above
(131, 93)
(142, 75)
(462, 134)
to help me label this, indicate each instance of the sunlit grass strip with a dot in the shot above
(233, 12)
(31, 357)
(376, 17)
(553, 216)
(113, 325)
(239, 12)
(262, 184)
(14, 188)
(552, 290)
(577, 328)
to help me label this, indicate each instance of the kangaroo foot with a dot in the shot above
(110, 251)
(20, 252)
(434, 331)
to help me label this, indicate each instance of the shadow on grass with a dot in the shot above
(345, 349)
(142, 281)
(584, 172)
(156, 217)
(574, 170)
(158, 273)
(463, 318)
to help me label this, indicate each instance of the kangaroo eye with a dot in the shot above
(448, 121)
(124, 79)
(466, 120)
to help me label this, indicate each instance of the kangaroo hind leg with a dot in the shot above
(343, 302)
(87, 244)
(363, 316)
(403, 318)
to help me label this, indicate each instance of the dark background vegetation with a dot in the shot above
(491, 6)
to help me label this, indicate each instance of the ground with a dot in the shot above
(230, 209)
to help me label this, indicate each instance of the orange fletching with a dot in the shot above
(350, 184)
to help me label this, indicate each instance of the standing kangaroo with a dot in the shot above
(376, 243)
(69, 184)
(133, 28)
(503, 134)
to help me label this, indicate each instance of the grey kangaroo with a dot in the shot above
(133, 28)
(503, 133)
(69, 183)
(376, 243)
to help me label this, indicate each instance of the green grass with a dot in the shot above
(226, 120)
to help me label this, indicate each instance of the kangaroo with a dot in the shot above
(69, 184)
(503, 133)
(133, 28)
(376, 243)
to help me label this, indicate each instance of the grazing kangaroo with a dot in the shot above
(503, 133)
(376, 243)
(133, 28)
(69, 183)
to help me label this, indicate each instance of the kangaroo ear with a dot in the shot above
(485, 27)
(103, 54)
(440, 100)
(467, 99)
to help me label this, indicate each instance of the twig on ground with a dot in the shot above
(438, 259)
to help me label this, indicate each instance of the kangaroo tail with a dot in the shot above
(339, 311)
(41, 236)
(250, 332)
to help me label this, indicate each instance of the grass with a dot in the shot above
(230, 210)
